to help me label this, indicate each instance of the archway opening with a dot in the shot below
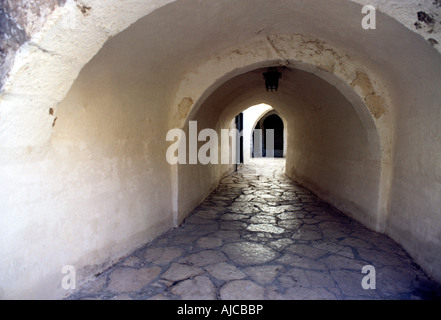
(318, 128)
(268, 137)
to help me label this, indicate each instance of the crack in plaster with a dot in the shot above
(374, 102)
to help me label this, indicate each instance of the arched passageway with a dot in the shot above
(89, 93)
(319, 119)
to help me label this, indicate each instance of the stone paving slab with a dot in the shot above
(262, 236)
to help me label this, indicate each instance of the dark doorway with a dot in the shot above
(239, 127)
(269, 130)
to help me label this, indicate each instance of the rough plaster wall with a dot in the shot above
(100, 189)
(329, 151)
(415, 202)
(46, 66)
(19, 20)
(22, 19)
(110, 115)
(197, 181)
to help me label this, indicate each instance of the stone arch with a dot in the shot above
(67, 36)
(231, 107)
(369, 98)
(64, 35)
(366, 92)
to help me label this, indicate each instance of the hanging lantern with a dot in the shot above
(272, 79)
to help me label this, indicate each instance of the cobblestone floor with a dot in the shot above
(262, 236)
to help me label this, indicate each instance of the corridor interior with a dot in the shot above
(261, 236)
